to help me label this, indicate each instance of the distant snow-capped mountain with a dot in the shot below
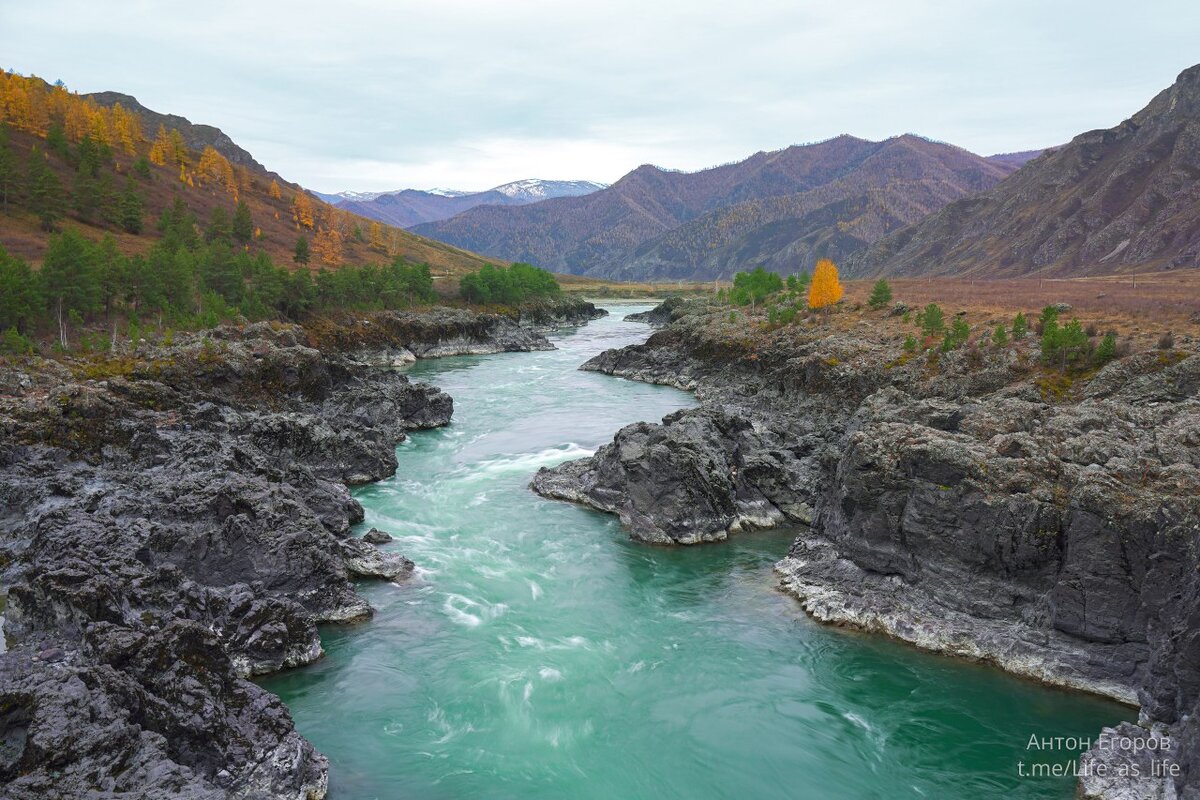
(408, 207)
(532, 190)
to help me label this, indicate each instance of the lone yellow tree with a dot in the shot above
(826, 289)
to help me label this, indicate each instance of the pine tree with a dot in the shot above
(881, 294)
(8, 168)
(826, 289)
(243, 223)
(130, 208)
(68, 278)
(19, 296)
(300, 255)
(932, 320)
(56, 141)
(46, 198)
(1020, 327)
(1106, 350)
(1000, 337)
(218, 229)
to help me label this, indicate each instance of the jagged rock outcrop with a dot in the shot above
(952, 504)
(175, 520)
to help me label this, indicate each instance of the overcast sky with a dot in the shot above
(348, 94)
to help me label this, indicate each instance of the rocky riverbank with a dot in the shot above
(967, 502)
(176, 520)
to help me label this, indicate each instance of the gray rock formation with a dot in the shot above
(174, 521)
(952, 505)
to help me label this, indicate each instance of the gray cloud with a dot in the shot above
(470, 94)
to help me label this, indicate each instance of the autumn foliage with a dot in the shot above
(826, 289)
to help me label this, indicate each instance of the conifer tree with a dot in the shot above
(826, 289)
(243, 223)
(68, 278)
(46, 198)
(130, 208)
(219, 227)
(1020, 327)
(8, 169)
(881, 294)
(300, 254)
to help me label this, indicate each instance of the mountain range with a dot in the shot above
(1119, 199)
(783, 209)
(405, 208)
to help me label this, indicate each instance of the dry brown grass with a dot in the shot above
(1138, 307)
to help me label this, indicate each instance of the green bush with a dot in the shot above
(501, 286)
(751, 288)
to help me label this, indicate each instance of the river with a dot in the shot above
(539, 653)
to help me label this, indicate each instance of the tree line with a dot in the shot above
(193, 276)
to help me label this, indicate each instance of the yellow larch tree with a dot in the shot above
(179, 151)
(376, 237)
(327, 245)
(160, 151)
(275, 191)
(825, 289)
(302, 210)
(215, 167)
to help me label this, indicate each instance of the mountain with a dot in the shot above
(195, 136)
(1016, 160)
(532, 190)
(783, 209)
(408, 207)
(1122, 199)
(91, 203)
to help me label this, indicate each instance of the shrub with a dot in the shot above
(751, 288)
(910, 344)
(1107, 350)
(12, 342)
(1166, 341)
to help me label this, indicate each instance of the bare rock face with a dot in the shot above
(950, 506)
(177, 520)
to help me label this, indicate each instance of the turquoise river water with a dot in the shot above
(539, 653)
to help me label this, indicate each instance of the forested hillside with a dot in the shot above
(72, 160)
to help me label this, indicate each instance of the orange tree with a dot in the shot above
(826, 289)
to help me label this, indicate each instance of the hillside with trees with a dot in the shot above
(93, 164)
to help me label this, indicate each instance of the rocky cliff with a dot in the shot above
(176, 520)
(951, 501)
